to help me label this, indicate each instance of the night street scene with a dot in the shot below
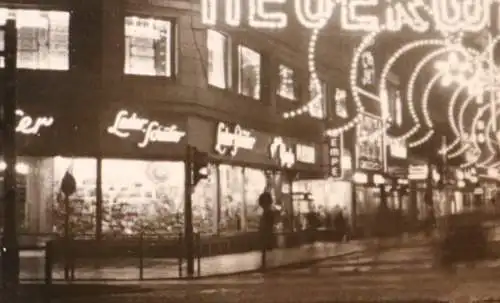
(271, 151)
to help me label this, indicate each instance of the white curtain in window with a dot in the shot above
(148, 46)
(249, 72)
(43, 38)
(286, 89)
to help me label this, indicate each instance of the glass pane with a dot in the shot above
(205, 203)
(216, 45)
(249, 72)
(148, 47)
(43, 39)
(254, 183)
(82, 202)
(142, 196)
(231, 186)
(286, 88)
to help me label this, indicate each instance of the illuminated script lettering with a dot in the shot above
(355, 15)
(283, 154)
(126, 123)
(29, 125)
(227, 141)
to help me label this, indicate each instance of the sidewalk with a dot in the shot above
(32, 267)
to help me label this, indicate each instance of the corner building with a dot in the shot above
(113, 91)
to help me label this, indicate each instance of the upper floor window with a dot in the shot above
(286, 87)
(148, 46)
(218, 59)
(249, 68)
(42, 38)
(317, 108)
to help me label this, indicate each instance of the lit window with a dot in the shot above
(317, 107)
(42, 38)
(286, 88)
(249, 72)
(148, 47)
(218, 59)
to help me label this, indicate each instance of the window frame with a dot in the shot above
(228, 61)
(173, 57)
(237, 68)
(43, 9)
(296, 83)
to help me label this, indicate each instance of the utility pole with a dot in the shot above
(10, 247)
(188, 211)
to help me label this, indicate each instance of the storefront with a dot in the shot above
(131, 161)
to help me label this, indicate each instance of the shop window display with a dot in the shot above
(254, 183)
(82, 203)
(205, 203)
(231, 195)
(142, 196)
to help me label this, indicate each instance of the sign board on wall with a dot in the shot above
(336, 147)
(282, 153)
(229, 141)
(305, 153)
(369, 145)
(31, 125)
(418, 172)
(128, 124)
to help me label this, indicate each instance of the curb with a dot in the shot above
(290, 266)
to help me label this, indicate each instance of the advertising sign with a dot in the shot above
(336, 148)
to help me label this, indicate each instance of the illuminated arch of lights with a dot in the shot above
(474, 16)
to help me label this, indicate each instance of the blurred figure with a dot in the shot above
(339, 225)
(266, 220)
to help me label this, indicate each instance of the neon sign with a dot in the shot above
(28, 125)
(125, 123)
(282, 153)
(230, 142)
(336, 149)
(418, 15)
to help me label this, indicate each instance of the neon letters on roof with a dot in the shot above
(418, 15)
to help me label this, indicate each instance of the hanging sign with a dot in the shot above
(281, 153)
(369, 146)
(336, 148)
(28, 125)
(152, 131)
(230, 141)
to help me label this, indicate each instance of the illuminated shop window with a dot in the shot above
(148, 47)
(249, 68)
(142, 196)
(42, 38)
(318, 108)
(232, 203)
(218, 59)
(286, 88)
(254, 183)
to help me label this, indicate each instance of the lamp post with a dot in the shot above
(10, 247)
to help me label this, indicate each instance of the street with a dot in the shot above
(393, 275)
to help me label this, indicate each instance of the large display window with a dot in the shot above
(142, 196)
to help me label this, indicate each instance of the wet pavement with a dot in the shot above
(327, 281)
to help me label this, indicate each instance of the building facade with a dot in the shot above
(113, 92)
